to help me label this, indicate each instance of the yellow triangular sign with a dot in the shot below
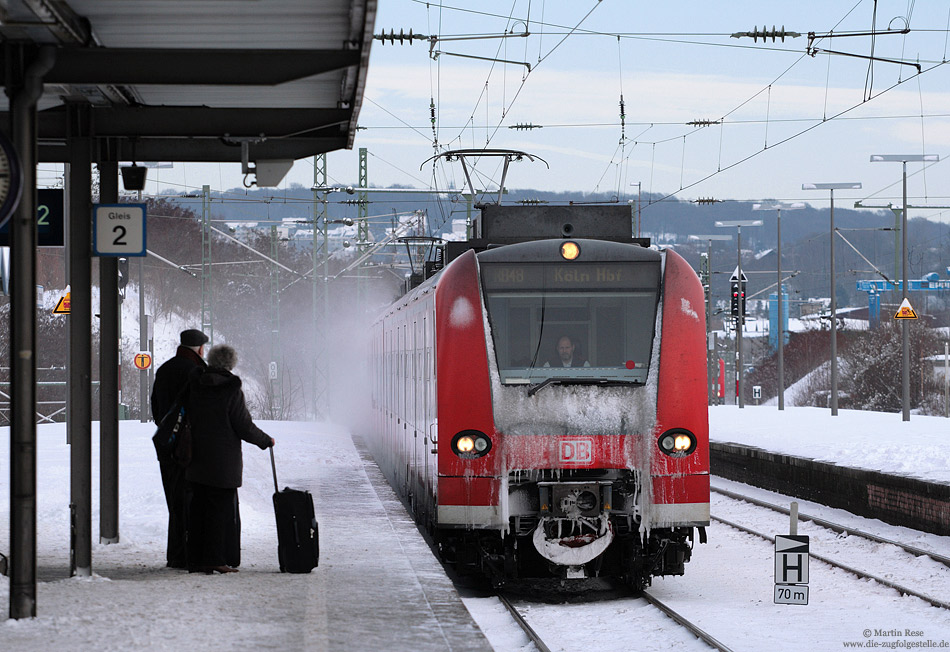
(62, 308)
(905, 311)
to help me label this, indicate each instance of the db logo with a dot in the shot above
(577, 451)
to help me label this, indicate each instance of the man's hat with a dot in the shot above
(192, 337)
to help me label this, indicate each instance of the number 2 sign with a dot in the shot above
(119, 230)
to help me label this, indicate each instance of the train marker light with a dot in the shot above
(471, 444)
(682, 443)
(570, 250)
(677, 443)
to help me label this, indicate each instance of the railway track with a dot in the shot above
(841, 529)
(666, 609)
(896, 550)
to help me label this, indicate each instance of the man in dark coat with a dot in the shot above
(219, 422)
(169, 380)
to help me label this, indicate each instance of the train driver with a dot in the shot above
(565, 352)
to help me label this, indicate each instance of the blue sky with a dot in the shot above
(674, 63)
(786, 117)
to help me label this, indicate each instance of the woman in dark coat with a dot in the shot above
(219, 422)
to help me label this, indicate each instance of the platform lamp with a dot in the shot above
(710, 339)
(905, 332)
(778, 207)
(740, 318)
(834, 304)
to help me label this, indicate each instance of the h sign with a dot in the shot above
(791, 559)
(576, 451)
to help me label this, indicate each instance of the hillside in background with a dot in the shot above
(266, 312)
(805, 235)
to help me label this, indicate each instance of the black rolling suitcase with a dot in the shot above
(298, 539)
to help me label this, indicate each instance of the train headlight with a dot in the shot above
(570, 250)
(677, 443)
(471, 444)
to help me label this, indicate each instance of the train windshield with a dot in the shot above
(583, 321)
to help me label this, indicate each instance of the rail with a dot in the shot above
(705, 637)
(850, 569)
(533, 635)
(841, 529)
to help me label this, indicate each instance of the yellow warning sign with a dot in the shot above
(905, 311)
(143, 360)
(62, 308)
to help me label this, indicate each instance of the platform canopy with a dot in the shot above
(191, 80)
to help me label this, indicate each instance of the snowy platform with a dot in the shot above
(378, 586)
(873, 441)
(872, 464)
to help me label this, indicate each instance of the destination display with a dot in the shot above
(558, 276)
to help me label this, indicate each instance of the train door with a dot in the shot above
(380, 360)
(391, 401)
(398, 469)
(424, 424)
(413, 439)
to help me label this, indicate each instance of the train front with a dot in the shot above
(572, 397)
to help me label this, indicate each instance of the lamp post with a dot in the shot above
(834, 305)
(740, 318)
(780, 329)
(905, 332)
(710, 338)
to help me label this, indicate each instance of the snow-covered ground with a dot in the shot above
(867, 440)
(134, 603)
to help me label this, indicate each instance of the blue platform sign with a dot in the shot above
(49, 219)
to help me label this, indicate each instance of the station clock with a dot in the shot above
(11, 179)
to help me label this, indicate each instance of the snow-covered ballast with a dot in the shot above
(597, 468)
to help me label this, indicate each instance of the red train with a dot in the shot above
(541, 403)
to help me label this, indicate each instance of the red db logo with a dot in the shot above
(577, 451)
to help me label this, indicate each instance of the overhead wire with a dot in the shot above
(435, 91)
(869, 78)
(791, 137)
(923, 132)
(577, 30)
(660, 123)
(539, 62)
(946, 36)
(824, 119)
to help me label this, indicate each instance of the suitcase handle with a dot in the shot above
(273, 467)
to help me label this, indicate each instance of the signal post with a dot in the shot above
(739, 276)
